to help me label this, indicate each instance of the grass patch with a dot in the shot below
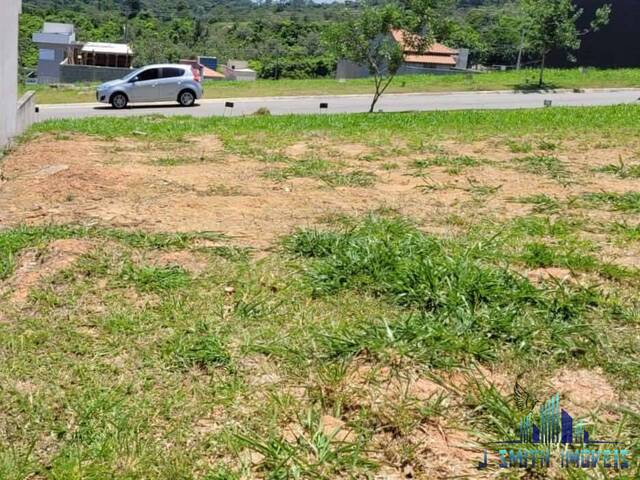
(354, 178)
(449, 284)
(307, 167)
(314, 454)
(628, 202)
(199, 347)
(542, 255)
(15, 240)
(543, 165)
(274, 132)
(154, 279)
(542, 203)
(323, 170)
(620, 170)
(174, 161)
(453, 164)
(519, 147)
(626, 231)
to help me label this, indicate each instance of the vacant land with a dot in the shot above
(315, 296)
(511, 80)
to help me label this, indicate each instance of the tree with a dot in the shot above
(365, 38)
(132, 8)
(551, 24)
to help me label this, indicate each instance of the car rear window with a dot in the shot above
(172, 72)
(150, 74)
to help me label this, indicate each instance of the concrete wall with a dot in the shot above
(408, 69)
(8, 68)
(90, 73)
(346, 70)
(26, 112)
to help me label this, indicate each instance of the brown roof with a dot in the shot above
(208, 73)
(433, 59)
(434, 49)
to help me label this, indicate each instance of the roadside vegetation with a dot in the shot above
(281, 40)
(523, 80)
(321, 296)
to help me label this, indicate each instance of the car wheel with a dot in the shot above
(119, 101)
(186, 98)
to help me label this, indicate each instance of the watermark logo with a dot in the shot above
(553, 434)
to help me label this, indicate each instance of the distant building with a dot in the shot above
(438, 58)
(615, 45)
(239, 70)
(62, 59)
(55, 42)
(207, 67)
(98, 54)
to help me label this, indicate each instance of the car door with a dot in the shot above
(144, 86)
(170, 83)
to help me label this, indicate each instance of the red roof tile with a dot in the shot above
(433, 59)
(434, 49)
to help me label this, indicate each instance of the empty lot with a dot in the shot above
(314, 297)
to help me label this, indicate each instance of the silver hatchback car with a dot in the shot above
(153, 83)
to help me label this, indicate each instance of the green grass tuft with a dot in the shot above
(542, 203)
(198, 347)
(543, 165)
(620, 170)
(628, 202)
(450, 284)
(154, 279)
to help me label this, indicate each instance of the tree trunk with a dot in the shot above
(376, 97)
(541, 81)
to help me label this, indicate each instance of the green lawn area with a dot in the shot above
(511, 80)
(494, 265)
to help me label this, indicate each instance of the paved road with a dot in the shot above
(355, 103)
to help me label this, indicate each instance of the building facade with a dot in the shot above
(437, 59)
(616, 45)
(8, 68)
(63, 59)
(55, 43)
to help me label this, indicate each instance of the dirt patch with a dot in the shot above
(540, 275)
(34, 266)
(585, 391)
(351, 150)
(298, 150)
(385, 385)
(196, 186)
(439, 451)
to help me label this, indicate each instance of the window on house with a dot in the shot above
(47, 54)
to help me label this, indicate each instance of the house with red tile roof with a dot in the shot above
(436, 59)
(436, 55)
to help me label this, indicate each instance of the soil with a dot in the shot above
(129, 183)
(34, 265)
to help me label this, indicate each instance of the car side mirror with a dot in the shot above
(134, 80)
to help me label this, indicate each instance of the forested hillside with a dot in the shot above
(281, 39)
